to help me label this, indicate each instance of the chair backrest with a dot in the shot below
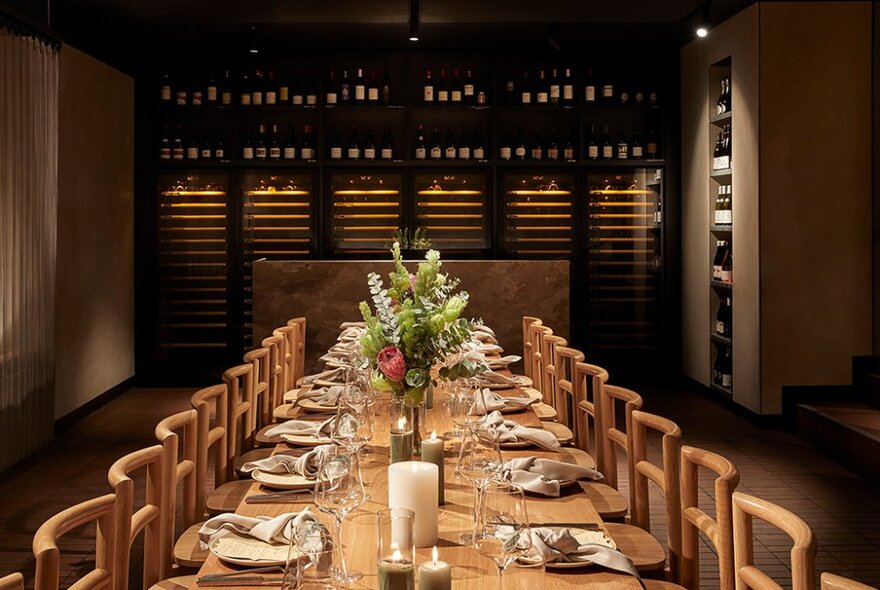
(829, 582)
(262, 412)
(527, 321)
(12, 582)
(130, 522)
(276, 368)
(613, 438)
(289, 343)
(240, 397)
(102, 511)
(803, 551)
(589, 380)
(718, 530)
(208, 402)
(549, 344)
(536, 335)
(299, 353)
(177, 469)
(666, 476)
(564, 396)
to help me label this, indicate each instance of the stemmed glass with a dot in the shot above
(339, 489)
(479, 461)
(352, 428)
(503, 534)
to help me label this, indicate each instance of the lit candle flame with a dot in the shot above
(433, 437)
(401, 423)
(434, 554)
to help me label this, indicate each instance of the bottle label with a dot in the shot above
(450, 153)
(373, 94)
(429, 94)
(542, 96)
(442, 96)
(607, 91)
(260, 153)
(166, 93)
(726, 275)
(728, 217)
(624, 97)
(289, 153)
(359, 92)
(354, 153)
(622, 151)
(436, 154)
(520, 152)
(344, 93)
(248, 153)
(719, 327)
(420, 153)
(219, 154)
(568, 154)
(526, 97)
(387, 154)
(256, 98)
(369, 153)
(284, 94)
(716, 271)
(456, 96)
(568, 92)
(593, 152)
(311, 99)
(226, 97)
(537, 154)
(637, 151)
(719, 217)
(652, 150)
(181, 97)
(165, 153)
(336, 153)
(607, 152)
(590, 93)
(658, 216)
(464, 153)
(192, 153)
(245, 98)
(505, 153)
(307, 153)
(178, 154)
(482, 98)
(197, 97)
(726, 380)
(297, 100)
(554, 92)
(206, 153)
(553, 153)
(212, 93)
(468, 89)
(275, 152)
(479, 153)
(271, 97)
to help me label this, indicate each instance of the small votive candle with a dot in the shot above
(434, 575)
(432, 452)
(396, 553)
(401, 441)
(396, 573)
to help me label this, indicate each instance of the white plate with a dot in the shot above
(583, 537)
(282, 481)
(247, 551)
(309, 405)
(306, 440)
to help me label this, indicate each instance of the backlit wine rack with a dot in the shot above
(538, 215)
(193, 262)
(451, 209)
(277, 224)
(623, 259)
(366, 212)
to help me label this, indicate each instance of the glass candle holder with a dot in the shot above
(400, 440)
(396, 550)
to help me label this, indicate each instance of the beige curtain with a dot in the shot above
(28, 201)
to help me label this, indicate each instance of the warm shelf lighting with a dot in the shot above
(448, 204)
(370, 204)
(535, 192)
(445, 192)
(540, 228)
(521, 240)
(455, 228)
(621, 192)
(539, 204)
(538, 216)
(377, 191)
(271, 216)
(297, 205)
(271, 193)
(366, 228)
(195, 205)
(193, 193)
(449, 216)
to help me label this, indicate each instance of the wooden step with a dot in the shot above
(847, 431)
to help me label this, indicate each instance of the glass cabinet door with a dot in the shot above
(624, 259)
(451, 210)
(538, 214)
(366, 212)
(193, 254)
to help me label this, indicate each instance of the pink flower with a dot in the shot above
(391, 363)
(412, 283)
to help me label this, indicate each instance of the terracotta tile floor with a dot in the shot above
(843, 510)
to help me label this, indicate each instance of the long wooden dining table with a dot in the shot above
(470, 570)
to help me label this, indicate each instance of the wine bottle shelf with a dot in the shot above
(721, 119)
(721, 229)
(723, 390)
(725, 173)
(721, 285)
(721, 339)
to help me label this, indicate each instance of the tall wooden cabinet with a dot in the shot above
(800, 178)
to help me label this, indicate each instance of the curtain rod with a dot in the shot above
(23, 26)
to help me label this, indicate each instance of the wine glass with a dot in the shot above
(479, 461)
(339, 489)
(503, 534)
(352, 427)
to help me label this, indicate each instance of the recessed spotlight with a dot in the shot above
(702, 32)
(414, 20)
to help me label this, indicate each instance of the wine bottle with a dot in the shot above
(387, 148)
(428, 89)
(226, 91)
(247, 150)
(386, 89)
(165, 144)
(196, 96)
(525, 89)
(555, 88)
(181, 96)
(335, 146)
(455, 97)
(479, 151)
(482, 97)
(307, 150)
(510, 92)
(726, 369)
(542, 95)
(637, 150)
(345, 88)
(651, 146)
(369, 144)
(718, 260)
(373, 89)
(177, 145)
(450, 152)
(537, 151)
(719, 206)
(360, 87)
(244, 96)
(567, 88)
(622, 146)
(220, 147)
(283, 93)
(274, 144)
(568, 150)
(723, 318)
(442, 88)
(207, 150)
(728, 205)
(552, 147)
(257, 89)
(192, 149)
(261, 152)
(421, 149)
(290, 146)
(589, 88)
(519, 152)
(727, 267)
(354, 146)
(624, 96)
(212, 89)
(470, 94)
(464, 146)
(593, 146)
(331, 97)
(607, 88)
(311, 90)
(271, 91)
(165, 93)
(504, 150)
(436, 150)
(607, 148)
(297, 94)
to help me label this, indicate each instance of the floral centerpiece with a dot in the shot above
(414, 326)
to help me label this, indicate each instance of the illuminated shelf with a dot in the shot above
(195, 193)
(450, 193)
(366, 192)
(622, 192)
(526, 193)
(270, 193)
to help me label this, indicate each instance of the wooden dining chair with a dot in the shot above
(289, 344)
(803, 551)
(101, 511)
(130, 521)
(694, 520)
(830, 581)
(276, 367)
(299, 354)
(211, 432)
(261, 413)
(536, 335)
(564, 362)
(549, 344)
(14, 581)
(527, 322)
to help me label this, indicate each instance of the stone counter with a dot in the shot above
(327, 292)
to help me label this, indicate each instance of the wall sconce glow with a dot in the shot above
(702, 32)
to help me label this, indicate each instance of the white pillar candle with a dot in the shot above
(435, 575)
(413, 485)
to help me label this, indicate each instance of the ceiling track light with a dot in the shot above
(254, 48)
(414, 20)
(704, 25)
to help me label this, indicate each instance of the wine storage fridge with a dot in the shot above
(450, 210)
(538, 214)
(366, 213)
(624, 259)
(193, 262)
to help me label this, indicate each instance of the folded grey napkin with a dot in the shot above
(269, 529)
(542, 476)
(501, 363)
(492, 378)
(484, 328)
(510, 431)
(484, 337)
(487, 348)
(328, 375)
(307, 465)
(322, 396)
(301, 428)
(559, 545)
(345, 325)
(486, 401)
